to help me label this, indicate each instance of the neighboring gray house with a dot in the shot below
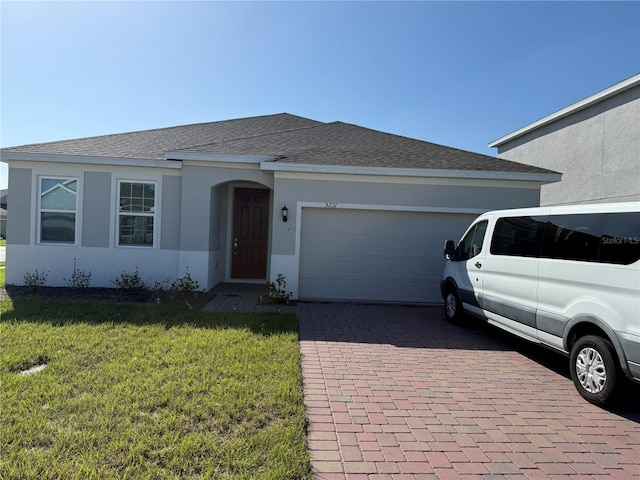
(367, 212)
(594, 143)
(3, 213)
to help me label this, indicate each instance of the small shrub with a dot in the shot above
(278, 289)
(79, 278)
(130, 281)
(160, 285)
(35, 279)
(185, 284)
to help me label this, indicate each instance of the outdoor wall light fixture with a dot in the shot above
(285, 213)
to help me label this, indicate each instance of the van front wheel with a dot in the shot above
(452, 306)
(594, 370)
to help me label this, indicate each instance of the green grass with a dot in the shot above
(2, 272)
(149, 392)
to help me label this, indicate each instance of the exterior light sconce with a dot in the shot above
(285, 213)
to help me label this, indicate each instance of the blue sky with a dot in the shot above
(456, 73)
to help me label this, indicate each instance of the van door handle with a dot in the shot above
(478, 264)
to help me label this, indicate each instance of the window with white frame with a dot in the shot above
(58, 206)
(136, 212)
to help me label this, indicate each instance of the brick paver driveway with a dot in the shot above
(396, 392)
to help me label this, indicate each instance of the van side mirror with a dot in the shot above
(449, 249)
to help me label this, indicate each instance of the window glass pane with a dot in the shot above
(621, 238)
(57, 227)
(149, 190)
(518, 236)
(125, 189)
(478, 238)
(58, 194)
(574, 237)
(137, 197)
(125, 204)
(49, 183)
(471, 244)
(136, 230)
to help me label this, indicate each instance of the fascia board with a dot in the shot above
(217, 157)
(412, 172)
(573, 108)
(88, 160)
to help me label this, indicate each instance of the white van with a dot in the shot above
(567, 277)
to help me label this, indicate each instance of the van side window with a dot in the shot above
(471, 244)
(518, 236)
(621, 238)
(574, 237)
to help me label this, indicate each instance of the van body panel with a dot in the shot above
(551, 324)
(466, 272)
(550, 340)
(631, 346)
(470, 284)
(510, 289)
(571, 289)
(468, 296)
(520, 313)
(512, 326)
(554, 274)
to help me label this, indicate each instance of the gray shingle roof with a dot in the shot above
(291, 138)
(345, 144)
(153, 144)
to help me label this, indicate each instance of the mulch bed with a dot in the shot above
(115, 295)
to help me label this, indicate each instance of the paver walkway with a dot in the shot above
(396, 392)
(242, 297)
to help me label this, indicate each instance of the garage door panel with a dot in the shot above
(374, 255)
(359, 266)
(361, 245)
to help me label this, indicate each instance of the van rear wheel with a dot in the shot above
(452, 306)
(594, 370)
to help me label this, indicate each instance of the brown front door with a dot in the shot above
(250, 233)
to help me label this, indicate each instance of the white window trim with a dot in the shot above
(155, 215)
(39, 211)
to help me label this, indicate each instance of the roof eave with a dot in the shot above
(8, 156)
(541, 177)
(217, 157)
(573, 108)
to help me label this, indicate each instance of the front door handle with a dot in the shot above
(478, 264)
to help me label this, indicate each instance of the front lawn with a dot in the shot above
(139, 391)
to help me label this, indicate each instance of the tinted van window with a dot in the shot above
(621, 238)
(574, 237)
(518, 236)
(471, 244)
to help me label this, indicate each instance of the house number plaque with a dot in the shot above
(330, 205)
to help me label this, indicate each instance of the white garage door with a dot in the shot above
(376, 255)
